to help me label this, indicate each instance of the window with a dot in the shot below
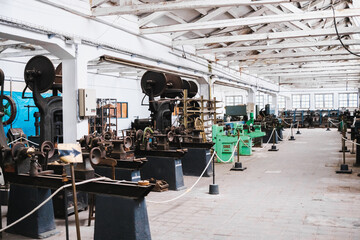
(260, 101)
(281, 102)
(122, 110)
(301, 101)
(270, 100)
(348, 100)
(233, 100)
(324, 101)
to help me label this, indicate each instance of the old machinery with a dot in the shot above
(40, 77)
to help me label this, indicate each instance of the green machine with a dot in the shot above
(225, 138)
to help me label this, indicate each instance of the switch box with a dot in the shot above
(87, 102)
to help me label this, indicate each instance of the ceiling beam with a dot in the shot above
(305, 66)
(286, 55)
(303, 70)
(24, 54)
(151, 17)
(96, 3)
(285, 45)
(179, 5)
(206, 18)
(289, 17)
(300, 60)
(268, 36)
(325, 73)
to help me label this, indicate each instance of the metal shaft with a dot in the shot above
(214, 169)
(75, 202)
(238, 146)
(274, 132)
(343, 143)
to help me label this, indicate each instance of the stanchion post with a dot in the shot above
(344, 168)
(292, 138)
(298, 129)
(273, 147)
(214, 188)
(238, 165)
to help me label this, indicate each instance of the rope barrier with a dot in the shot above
(347, 140)
(335, 124)
(22, 138)
(48, 199)
(287, 137)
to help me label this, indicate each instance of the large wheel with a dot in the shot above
(9, 110)
(39, 70)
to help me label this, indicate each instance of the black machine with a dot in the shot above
(40, 77)
(30, 182)
(161, 138)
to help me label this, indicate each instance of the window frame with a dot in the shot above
(301, 101)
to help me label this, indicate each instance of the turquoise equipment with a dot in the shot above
(225, 138)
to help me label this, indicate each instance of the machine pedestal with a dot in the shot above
(120, 173)
(195, 161)
(121, 218)
(164, 168)
(22, 200)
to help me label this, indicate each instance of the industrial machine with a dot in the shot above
(27, 171)
(226, 136)
(167, 146)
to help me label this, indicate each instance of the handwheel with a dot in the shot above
(9, 109)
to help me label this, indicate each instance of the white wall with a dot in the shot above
(124, 90)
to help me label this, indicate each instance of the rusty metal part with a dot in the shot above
(48, 147)
(97, 158)
(18, 149)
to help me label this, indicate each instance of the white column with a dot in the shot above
(74, 77)
(251, 100)
(275, 103)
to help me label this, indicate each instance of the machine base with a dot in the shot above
(23, 199)
(164, 168)
(121, 218)
(195, 161)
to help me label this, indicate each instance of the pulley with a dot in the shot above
(157, 84)
(39, 70)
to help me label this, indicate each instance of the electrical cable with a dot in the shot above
(338, 35)
(49, 198)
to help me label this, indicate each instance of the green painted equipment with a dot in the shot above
(226, 137)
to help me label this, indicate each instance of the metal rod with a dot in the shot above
(238, 146)
(75, 202)
(343, 143)
(274, 133)
(66, 215)
(214, 169)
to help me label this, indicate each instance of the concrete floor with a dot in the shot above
(290, 194)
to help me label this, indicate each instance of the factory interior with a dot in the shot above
(180, 119)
